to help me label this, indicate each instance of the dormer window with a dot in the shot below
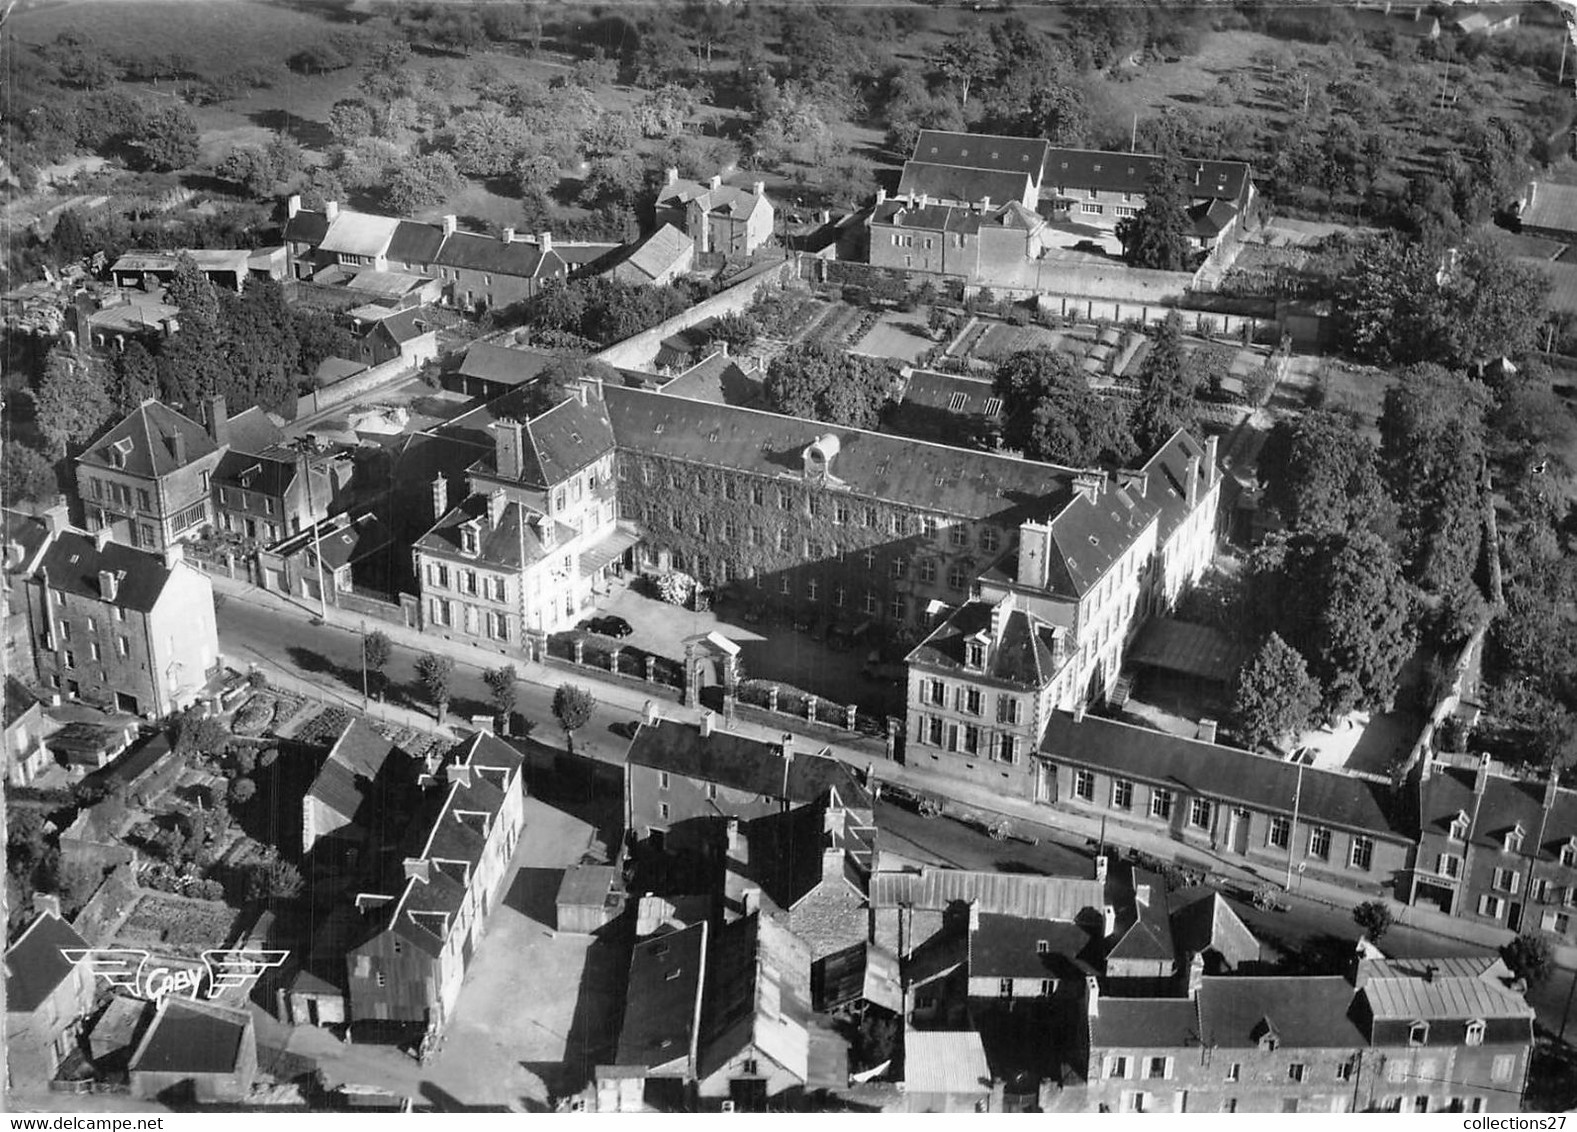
(471, 538)
(1418, 1034)
(1514, 837)
(1475, 1033)
(1460, 826)
(1268, 1043)
(1569, 853)
(975, 653)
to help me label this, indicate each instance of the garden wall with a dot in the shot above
(101, 915)
(355, 386)
(638, 351)
(1205, 323)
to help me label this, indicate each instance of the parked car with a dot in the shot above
(609, 626)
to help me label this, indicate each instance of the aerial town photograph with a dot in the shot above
(754, 556)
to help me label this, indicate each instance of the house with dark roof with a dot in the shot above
(123, 629)
(358, 794)
(975, 170)
(489, 371)
(26, 755)
(1548, 210)
(946, 408)
(1101, 189)
(1358, 831)
(660, 1036)
(755, 1013)
(719, 219)
(264, 498)
(47, 995)
(1497, 849)
(382, 335)
(421, 924)
(917, 234)
(660, 258)
(147, 480)
(195, 1052)
(538, 531)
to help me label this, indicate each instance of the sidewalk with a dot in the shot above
(1078, 830)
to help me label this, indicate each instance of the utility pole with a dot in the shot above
(1559, 79)
(1292, 834)
(317, 529)
(1133, 138)
(364, 700)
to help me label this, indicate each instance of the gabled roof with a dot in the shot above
(349, 776)
(1090, 535)
(1012, 894)
(1226, 774)
(359, 233)
(26, 534)
(34, 964)
(1203, 921)
(1019, 947)
(757, 994)
(520, 258)
(723, 199)
(1210, 219)
(1130, 172)
(1552, 206)
(514, 542)
(18, 700)
(406, 325)
(306, 227)
(1025, 655)
(144, 435)
(657, 253)
(414, 242)
(504, 365)
(1144, 1023)
(917, 474)
(255, 473)
(1168, 479)
(253, 431)
(1443, 998)
(981, 151)
(74, 565)
(1303, 1011)
(1507, 803)
(927, 217)
(192, 1037)
(740, 763)
(661, 1004)
(955, 183)
(566, 439)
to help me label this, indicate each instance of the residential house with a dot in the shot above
(911, 909)
(421, 926)
(195, 1052)
(975, 169)
(755, 1013)
(1350, 829)
(489, 371)
(660, 1036)
(678, 774)
(1434, 1035)
(1497, 849)
(47, 995)
(1012, 958)
(266, 498)
(26, 755)
(383, 335)
(1548, 210)
(719, 219)
(1101, 189)
(122, 628)
(148, 479)
(656, 260)
(1159, 939)
(351, 547)
(945, 1071)
(916, 234)
(356, 793)
(538, 529)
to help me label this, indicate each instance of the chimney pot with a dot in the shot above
(1078, 712)
(507, 235)
(649, 713)
(292, 205)
(101, 538)
(331, 210)
(545, 242)
(881, 196)
(759, 188)
(717, 180)
(1092, 995)
(451, 223)
(673, 175)
(706, 724)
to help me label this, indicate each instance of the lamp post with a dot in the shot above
(1292, 834)
(364, 700)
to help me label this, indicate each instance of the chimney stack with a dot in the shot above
(1212, 469)
(497, 500)
(508, 448)
(57, 518)
(46, 904)
(831, 863)
(507, 235)
(1092, 996)
(545, 242)
(706, 724)
(1430, 972)
(788, 744)
(331, 210)
(1196, 974)
(292, 205)
(1109, 916)
(1481, 778)
(216, 419)
(440, 496)
(1191, 481)
(451, 223)
(649, 714)
(109, 584)
(177, 443)
(717, 180)
(1551, 788)
(174, 555)
(881, 196)
(759, 188)
(1102, 864)
(673, 175)
(1078, 712)
(101, 538)
(1090, 484)
(985, 204)
(736, 843)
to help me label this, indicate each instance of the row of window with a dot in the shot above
(1513, 840)
(1201, 811)
(69, 656)
(967, 739)
(477, 622)
(121, 494)
(468, 582)
(969, 700)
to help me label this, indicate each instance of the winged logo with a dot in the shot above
(127, 968)
(233, 967)
(117, 966)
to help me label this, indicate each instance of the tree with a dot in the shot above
(966, 57)
(1158, 236)
(1052, 415)
(1167, 384)
(435, 674)
(168, 137)
(273, 879)
(376, 651)
(318, 336)
(26, 475)
(1529, 958)
(350, 120)
(486, 143)
(72, 401)
(535, 173)
(572, 707)
(503, 685)
(242, 791)
(1274, 695)
(740, 331)
(1321, 473)
(1374, 918)
(818, 382)
(422, 182)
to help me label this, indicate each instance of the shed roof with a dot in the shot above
(1552, 206)
(945, 1062)
(1194, 650)
(1012, 894)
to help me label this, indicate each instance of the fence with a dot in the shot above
(629, 664)
(785, 700)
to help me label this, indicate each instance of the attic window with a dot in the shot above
(659, 429)
(995, 156)
(1094, 541)
(1514, 839)
(575, 437)
(672, 975)
(1042, 947)
(1269, 1042)
(956, 403)
(712, 436)
(1460, 826)
(1418, 1033)
(1097, 168)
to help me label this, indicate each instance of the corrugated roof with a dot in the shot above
(34, 964)
(1226, 774)
(945, 1062)
(1010, 894)
(1445, 997)
(916, 474)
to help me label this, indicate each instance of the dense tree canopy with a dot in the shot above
(1158, 236)
(820, 382)
(1052, 415)
(1167, 383)
(1321, 473)
(72, 401)
(1273, 696)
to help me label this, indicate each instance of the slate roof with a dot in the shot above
(354, 763)
(414, 242)
(1202, 921)
(927, 217)
(941, 391)
(1010, 947)
(1026, 656)
(1144, 1023)
(519, 258)
(513, 543)
(945, 1062)
(1443, 998)
(406, 325)
(657, 253)
(1168, 475)
(74, 565)
(952, 182)
(660, 1006)
(1194, 650)
(145, 435)
(306, 227)
(1305, 1012)
(981, 151)
(34, 965)
(740, 763)
(1209, 220)
(253, 431)
(24, 532)
(933, 477)
(192, 1037)
(1149, 937)
(255, 473)
(504, 365)
(1130, 172)
(18, 700)
(757, 994)
(1011, 894)
(1507, 803)
(727, 200)
(1225, 774)
(1553, 207)
(1090, 535)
